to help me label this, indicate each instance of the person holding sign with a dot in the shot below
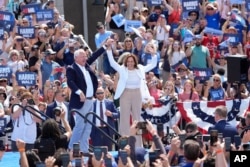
(131, 88)
(212, 14)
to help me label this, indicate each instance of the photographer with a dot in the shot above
(24, 123)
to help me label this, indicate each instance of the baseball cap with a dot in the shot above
(49, 52)
(99, 25)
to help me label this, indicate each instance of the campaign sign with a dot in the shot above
(247, 5)
(31, 8)
(154, 2)
(1, 33)
(5, 72)
(7, 20)
(26, 78)
(132, 23)
(236, 2)
(213, 31)
(231, 39)
(44, 15)
(119, 20)
(27, 32)
(202, 73)
(189, 5)
(3, 124)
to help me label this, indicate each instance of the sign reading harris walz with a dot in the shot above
(5, 72)
(26, 78)
(27, 32)
(189, 5)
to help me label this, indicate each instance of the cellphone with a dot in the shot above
(182, 138)
(220, 136)
(123, 154)
(228, 143)
(78, 162)
(30, 102)
(205, 138)
(76, 150)
(122, 143)
(141, 125)
(152, 157)
(51, 78)
(112, 36)
(199, 140)
(246, 147)
(108, 162)
(160, 129)
(213, 137)
(65, 159)
(237, 141)
(40, 164)
(99, 150)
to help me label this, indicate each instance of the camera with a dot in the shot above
(141, 125)
(57, 111)
(242, 120)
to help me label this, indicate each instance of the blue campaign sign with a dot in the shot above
(1, 33)
(154, 2)
(213, 31)
(45, 15)
(188, 6)
(7, 20)
(5, 72)
(119, 20)
(247, 5)
(132, 23)
(3, 124)
(202, 73)
(236, 2)
(26, 78)
(31, 8)
(27, 32)
(232, 39)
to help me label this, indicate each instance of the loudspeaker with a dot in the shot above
(237, 68)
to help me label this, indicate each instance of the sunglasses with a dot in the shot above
(3, 81)
(216, 80)
(128, 41)
(210, 9)
(99, 93)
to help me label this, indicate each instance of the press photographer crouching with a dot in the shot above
(244, 124)
(24, 122)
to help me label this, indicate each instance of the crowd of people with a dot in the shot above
(128, 73)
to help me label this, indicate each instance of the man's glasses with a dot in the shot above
(99, 93)
(3, 81)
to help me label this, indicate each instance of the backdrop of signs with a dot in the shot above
(1, 33)
(5, 72)
(26, 78)
(27, 32)
(31, 8)
(44, 15)
(188, 6)
(132, 23)
(7, 20)
(231, 39)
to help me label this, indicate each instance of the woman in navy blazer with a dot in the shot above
(131, 88)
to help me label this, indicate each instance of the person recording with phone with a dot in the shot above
(24, 122)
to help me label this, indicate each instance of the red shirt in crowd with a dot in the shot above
(211, 44)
